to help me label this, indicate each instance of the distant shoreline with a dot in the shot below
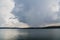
(49, 27)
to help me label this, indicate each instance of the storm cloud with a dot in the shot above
(30, 13)
(7, 17)
(37, 12)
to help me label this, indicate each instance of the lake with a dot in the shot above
(29, 34)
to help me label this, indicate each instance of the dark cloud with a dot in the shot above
(36, 12)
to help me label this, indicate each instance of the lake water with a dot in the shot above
(29, 34)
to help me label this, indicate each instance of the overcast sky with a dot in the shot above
(17, 13)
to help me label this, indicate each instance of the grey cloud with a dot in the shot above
(34, 12)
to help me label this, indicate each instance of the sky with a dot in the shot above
(29, 13)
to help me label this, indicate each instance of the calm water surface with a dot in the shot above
(29, 34)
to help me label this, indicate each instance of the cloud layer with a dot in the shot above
(17, 13)
(37, 12)
(5, 11)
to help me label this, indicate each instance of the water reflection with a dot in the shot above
(28, 34)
